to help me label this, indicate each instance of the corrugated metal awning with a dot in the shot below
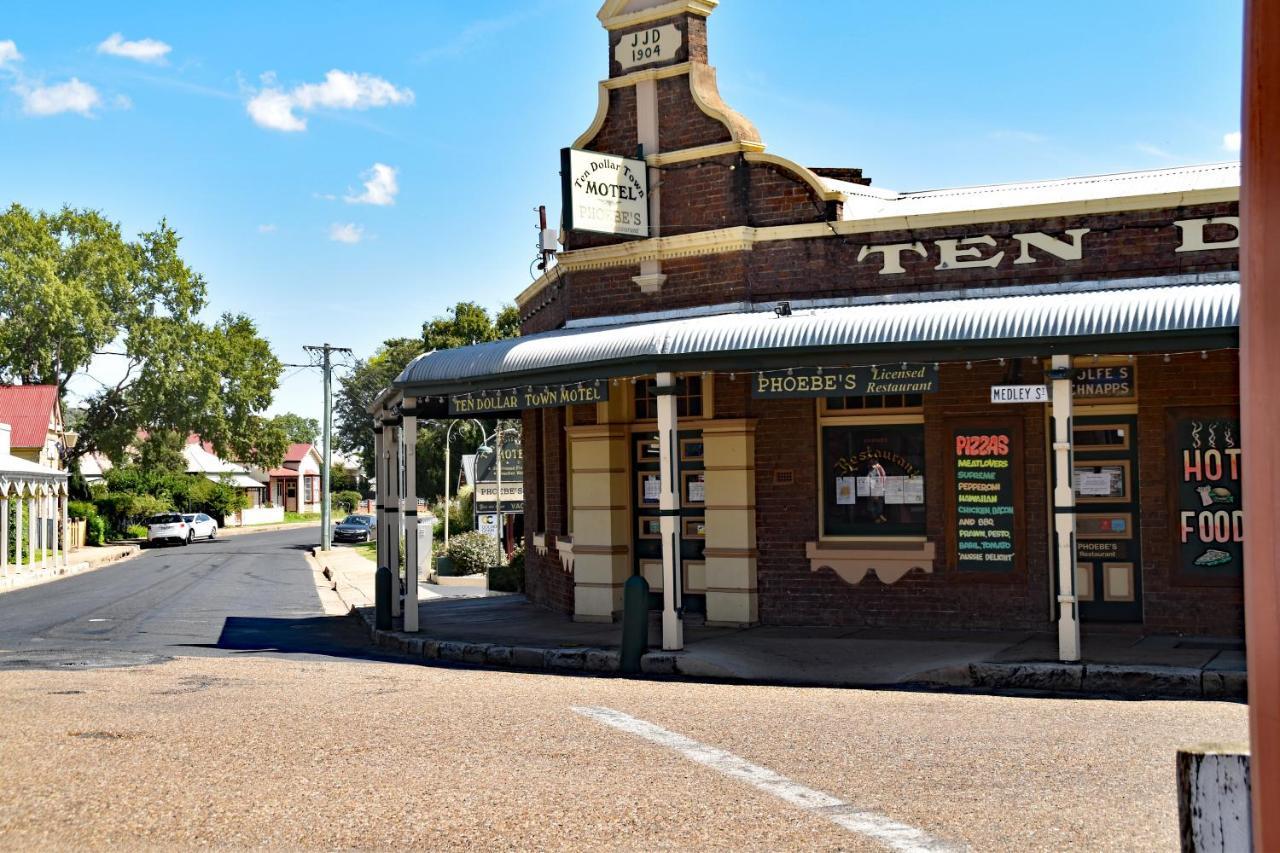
(1133, 320)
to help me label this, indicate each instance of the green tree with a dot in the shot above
(72, 287)
(357, 390)
(297, 429)
(161, 452)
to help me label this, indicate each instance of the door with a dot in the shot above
(1108, 545)
(291, 495)
(691, 526)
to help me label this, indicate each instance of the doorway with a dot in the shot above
(691, 523)
(1108, 525)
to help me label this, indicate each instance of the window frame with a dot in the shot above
(878, 417)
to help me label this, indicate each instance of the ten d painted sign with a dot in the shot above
(604, 193)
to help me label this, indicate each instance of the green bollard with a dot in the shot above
(635, 622)
(382, 598)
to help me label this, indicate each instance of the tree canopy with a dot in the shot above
(72, 287)
(297, 429)
(464, 324)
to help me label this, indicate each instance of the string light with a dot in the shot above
(1204, 355)
(1166, 358)
(968, 365)
(1002, 362)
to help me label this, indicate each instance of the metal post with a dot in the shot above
(4, 534)
(393, 514)
(669, 512)
(17, 532)
(448, 433)
(1064, 516)
(379, 515)
(497, 502)
(410, 518)
(1259, 353)
(66, 531)
(326, 507)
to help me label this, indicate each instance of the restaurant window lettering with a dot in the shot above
(1207, 463)
(873, 480)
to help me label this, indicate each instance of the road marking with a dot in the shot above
(878, 827)
(97, 620)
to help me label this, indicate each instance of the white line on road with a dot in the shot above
(878, 827)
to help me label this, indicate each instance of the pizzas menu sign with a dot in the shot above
(985, 500)
(1209, 521)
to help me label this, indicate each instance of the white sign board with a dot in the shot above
(646, 46)
(1019, 393)
(604, 193)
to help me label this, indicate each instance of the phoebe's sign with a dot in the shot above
(847, 381)
(604, 193)
(647, 46)
(530, 397)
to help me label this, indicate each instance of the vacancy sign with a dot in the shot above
(1019, 393)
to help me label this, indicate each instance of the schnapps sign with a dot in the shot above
(604, 193)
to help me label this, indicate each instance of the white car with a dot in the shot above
(183, 529)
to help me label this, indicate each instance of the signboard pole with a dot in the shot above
(1064, 517)
(1259, 349)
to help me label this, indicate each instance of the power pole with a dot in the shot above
(326, 504)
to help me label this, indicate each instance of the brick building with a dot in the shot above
(796, 398)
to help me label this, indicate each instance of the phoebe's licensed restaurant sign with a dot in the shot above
(846, 381)
(530, 397)
(604, 193)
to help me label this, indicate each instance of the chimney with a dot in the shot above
(6, 434)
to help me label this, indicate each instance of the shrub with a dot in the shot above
(136, 531)
(81, 509)
(473, 552)
(508, 578)
(95, 530)
(345, 501)
(145, 506)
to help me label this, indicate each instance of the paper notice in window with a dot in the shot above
(913, 491)
(652, 488)
(697, 491)
(895, 490)
(845, 490)
(864, 488)
(1091, 483)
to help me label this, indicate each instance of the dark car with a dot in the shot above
(354, 528)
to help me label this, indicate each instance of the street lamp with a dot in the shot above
(448, 436)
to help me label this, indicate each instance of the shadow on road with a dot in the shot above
(333, 636)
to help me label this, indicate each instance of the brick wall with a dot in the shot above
(546, 581)
(1170, 602)
(787, 518)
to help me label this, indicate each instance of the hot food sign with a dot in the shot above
(604, 193)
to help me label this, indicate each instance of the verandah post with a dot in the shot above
(1064, 517)
(669, 511)
(410, 516)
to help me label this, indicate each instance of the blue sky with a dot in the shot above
(453, 114)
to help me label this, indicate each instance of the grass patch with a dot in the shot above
(368, 550)
(297, 517)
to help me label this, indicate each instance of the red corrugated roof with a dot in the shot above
(297, 452)
(283, 472)
(28, 409)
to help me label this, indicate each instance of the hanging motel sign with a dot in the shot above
(604, 193)
(530, 397)
(846, 381)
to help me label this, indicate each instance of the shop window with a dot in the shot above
(873, 480)
(873, 402)
(689, 398)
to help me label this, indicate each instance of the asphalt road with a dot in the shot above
(232, 595)
(215, 705)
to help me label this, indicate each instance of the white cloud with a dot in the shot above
(72, 96)
(142, 50)
(1231, 142)
(346, 232)
(268, 228)
(9, 53)
(380, 187)
(276, 109)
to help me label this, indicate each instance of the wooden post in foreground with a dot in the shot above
(1213, 799)
(1260, 404)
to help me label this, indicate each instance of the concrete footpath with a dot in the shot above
(81, 560)
(503, 630)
